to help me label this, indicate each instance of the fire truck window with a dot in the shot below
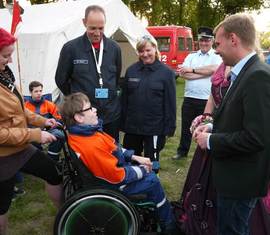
(163, 43)
(181, 44)
(189, 44)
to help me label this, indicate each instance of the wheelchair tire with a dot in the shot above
(97, 212)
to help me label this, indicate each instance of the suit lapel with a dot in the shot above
(235, 84)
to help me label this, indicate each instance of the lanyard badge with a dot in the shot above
(100, 93)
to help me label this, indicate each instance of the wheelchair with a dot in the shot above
(93, 207)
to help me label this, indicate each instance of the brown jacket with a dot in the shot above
(14, 132)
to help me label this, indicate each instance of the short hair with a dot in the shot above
(142, 43)
(95, 8)
(34, 84)
(6, 39)
(71, 105)
(242, 25)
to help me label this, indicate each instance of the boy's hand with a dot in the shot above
(51, 122)
(143, 161)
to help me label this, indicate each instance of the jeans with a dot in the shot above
(55, 147)
(233, 215)
(150, 185)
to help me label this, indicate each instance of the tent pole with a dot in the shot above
(19, 67)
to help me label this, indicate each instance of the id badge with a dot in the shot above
(101, 93)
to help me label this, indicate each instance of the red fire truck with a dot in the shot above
(174, 43)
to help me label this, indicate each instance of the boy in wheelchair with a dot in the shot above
(106, 160)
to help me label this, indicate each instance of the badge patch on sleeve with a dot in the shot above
(134, 79)
(80, 61)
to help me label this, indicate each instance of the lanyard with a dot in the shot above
(99, 62)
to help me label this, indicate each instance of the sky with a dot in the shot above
(262, 20)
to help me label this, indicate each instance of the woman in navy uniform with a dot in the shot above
(148, 103)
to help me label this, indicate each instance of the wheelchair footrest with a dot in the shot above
(137, 197)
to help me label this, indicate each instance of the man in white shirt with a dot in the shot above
(196, 70)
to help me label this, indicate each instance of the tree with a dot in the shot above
(265, 40)
(192, 13)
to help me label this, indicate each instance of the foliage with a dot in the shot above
(265, 40)
(192, 13)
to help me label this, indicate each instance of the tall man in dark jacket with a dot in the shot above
(239, 143)
(92, 64)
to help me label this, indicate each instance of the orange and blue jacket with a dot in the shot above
(105, 159)
(43, 107)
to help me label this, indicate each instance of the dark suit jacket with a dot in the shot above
(240, 143)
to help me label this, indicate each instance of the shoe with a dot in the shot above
(17, 192)
(179, 156)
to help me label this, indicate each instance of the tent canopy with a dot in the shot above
(46, 27)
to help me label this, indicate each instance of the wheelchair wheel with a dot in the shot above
(97, 212)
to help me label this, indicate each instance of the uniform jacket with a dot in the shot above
(240, 143)
(76, 72)
(43, 107)
(14, 133)
(149, 100)
(102, 156)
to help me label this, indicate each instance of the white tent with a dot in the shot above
(46, 27)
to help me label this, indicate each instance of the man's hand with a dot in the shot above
(201, 129)
(47, 137)
(50, 122)
(182, 70)
(144, 161)
(201, 139)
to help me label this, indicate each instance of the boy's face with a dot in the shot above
(36, 93)
(88, 115)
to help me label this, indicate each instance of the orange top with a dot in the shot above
(46, 109)
(96, 152)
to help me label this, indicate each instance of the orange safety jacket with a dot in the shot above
(45, 108)
(96, 152)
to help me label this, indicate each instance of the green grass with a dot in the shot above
(33, 213)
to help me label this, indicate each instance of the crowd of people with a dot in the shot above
(225, 111)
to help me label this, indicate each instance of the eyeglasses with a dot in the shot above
(84, 110)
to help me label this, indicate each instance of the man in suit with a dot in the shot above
(238, 140)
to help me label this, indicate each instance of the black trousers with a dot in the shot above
(112, 129)
(191, 108)
(150, 145)
(39, 165)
